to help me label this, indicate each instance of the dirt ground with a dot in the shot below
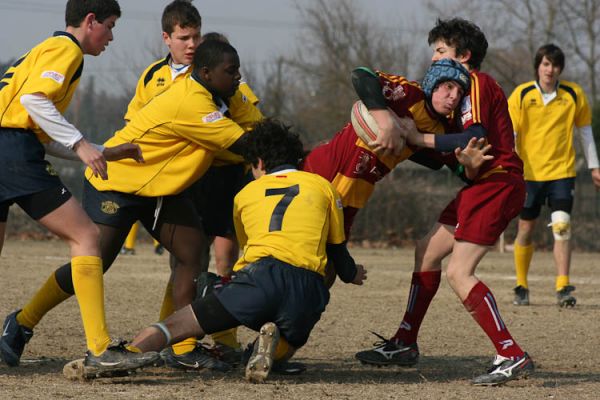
(563, 343)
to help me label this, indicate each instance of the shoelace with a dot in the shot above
(382, 340)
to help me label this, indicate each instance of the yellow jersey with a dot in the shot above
(159, 76)
(544, 133)
(179, 131)
(289, 215)
(52, 68)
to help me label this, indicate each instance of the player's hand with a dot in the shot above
(596, 177)
(125, 150)
(92, 158)
(474, 154)
(391, 138)
(361, 275)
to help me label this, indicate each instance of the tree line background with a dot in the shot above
(310, 88)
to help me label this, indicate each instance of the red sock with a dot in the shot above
(482, 306)
(423, 288)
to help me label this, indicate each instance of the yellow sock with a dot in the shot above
(561, 282)
(167, 307)
(89, 290)
(523, 256)
(185, 346)
(49, 296)
(155, 242)
(133, 348)
(227, 337)
(282, 349)
(130, 240)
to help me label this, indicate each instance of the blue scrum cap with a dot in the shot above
(442, 71)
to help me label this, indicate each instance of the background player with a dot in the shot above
(544, 113)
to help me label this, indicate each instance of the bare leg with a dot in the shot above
(226, 254)
(182, 324)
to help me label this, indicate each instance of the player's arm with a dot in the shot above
(44, 113)
(472, 156)
(448, 142)
(391, 137)
(591, 155)
(119, 152)
(344, 265)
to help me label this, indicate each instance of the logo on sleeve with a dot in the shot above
(393, 94)
(466, 110)
(338, 203)
(55, 76)
(212, 117)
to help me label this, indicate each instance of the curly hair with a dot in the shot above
(464, 36)
(274, 143)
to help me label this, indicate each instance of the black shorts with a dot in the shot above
(557, 194)
(271, 291)
(213, 197)
(26, 178)
(121, 210)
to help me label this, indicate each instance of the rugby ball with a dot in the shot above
(363, 123)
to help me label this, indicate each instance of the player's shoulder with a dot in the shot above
(521, 90)
(63, 41)
(153, 69)
(570, 86)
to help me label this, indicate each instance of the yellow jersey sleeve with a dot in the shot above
(514, 109)
(289, 215)
(248, 93)
(53, 69)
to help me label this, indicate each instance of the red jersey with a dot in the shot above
(350, 165)
(486, 104)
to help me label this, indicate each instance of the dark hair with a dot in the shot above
(76, 10)
(464, 36)
(553, 53)
(182, 13)
(273, 142)
(212, 53)
(215, 36)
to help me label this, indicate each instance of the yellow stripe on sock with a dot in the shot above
(523, 255)
(88, 282)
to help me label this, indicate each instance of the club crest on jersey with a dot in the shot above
(109, 207)
(55, 76)
(212, 117)
(50, 170)
(396, 93)
(160, 82)
(363, 163)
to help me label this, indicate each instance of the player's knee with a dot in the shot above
(561, 225)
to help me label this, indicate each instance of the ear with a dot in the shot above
(88, 21)
(204, 73)
(166, 38)
(464, 58)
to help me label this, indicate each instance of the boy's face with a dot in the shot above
(182, 43)
(446, 97)
(98, 35)
(225, 77)
(548, 73)
(443, 50)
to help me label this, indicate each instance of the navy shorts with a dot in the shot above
(26, 178)
(557, 194)
(213, 197)
(270, 290)
(121, 210)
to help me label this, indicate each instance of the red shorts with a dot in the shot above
(482, 211)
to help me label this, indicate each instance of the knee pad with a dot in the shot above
(561, 225)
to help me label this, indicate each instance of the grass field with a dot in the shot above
(563, 343)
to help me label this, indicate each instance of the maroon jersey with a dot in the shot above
(486, 104)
